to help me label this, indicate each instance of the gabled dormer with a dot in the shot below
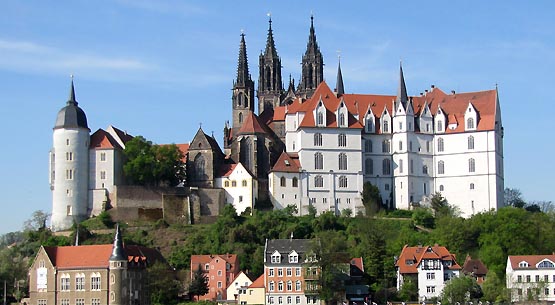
(370, 121)
(342, 115)
(385, 121)
(470, 118)
(440, 121)
(410, 108)
(426, 119)
(523, 264)
(320, 114)
(276, 257)
(293, 257)
(399, 109)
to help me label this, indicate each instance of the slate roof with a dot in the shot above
(474, 266)
(71, 116)
(286, 246)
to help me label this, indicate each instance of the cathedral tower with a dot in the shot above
(270, 85)
(312, 65)
(69, 165)
(242, 96)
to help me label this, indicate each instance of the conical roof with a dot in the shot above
(71, 116)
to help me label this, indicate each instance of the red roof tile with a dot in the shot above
(474, 266)
(411, 257)
(532, 260)
(102, 139)
(258, 283)
(227, 169)
(287, 163)
(251, 125)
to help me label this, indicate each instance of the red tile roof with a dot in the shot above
(411, 257)
(102, 139)
(227, 169)
(474, 266)
(453, 105)
(532, 260)
(258, 283)
(279, 113)
(357, 261)
(288, 163)
(251, 125)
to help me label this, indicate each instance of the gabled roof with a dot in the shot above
(207, 258)
(288, 163)
(532, 260)
(411, 257)
(474, 266)
(258, 283)
(102, 139)
(123, 136)
(201, 139)
(252, 125)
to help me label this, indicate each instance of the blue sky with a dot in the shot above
(159, 68)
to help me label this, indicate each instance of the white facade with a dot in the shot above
(241, 188)
(432, 275)
(531, 277)
(238, 287)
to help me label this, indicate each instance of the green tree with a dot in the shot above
(513, 197)
(163, 286)
(153, 165)
(460, 289)
(409, 290)
(423, 217)
(371, 198)
(440, 206)
(199, 284)
(494, 289)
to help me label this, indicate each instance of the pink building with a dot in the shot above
(220, 271)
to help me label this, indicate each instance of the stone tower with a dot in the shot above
(242, 96)
(312, 65)
(204, 159)
(270, 85)
(69, 165)
(118, 266)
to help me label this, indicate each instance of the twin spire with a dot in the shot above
(242, 67)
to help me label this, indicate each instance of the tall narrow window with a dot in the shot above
(425, 169)
(317, 139)
(385, 127)
(368, 145)
(342, 120)
(470, 142)
(342, 140)
(318, 181)
(440, 144)
(240, 117)
(385, 146)
(441, 167)
(369, 166)
(470, 123)
(400, 145)
(386, 167)
(342, 161)
(318, 161)
(412, 166)
(401, 166)
(342, 181)
(439, 126)
(295, 182)
(320, 118)
(471, 165)
(282, 182)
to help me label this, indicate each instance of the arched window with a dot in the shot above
(440, 144)
(425, 169)
(470, 123)
(318, 181)
(342, 120)
(317, 139)
(240, 99)
(441, 167)
(471, 186)
(280, 286)
(439, 125)
(295, 182)
(369, 166)
(320, 118)
(318, 161)
(386, 167)
(282, 182)
(226, 183)
(368, 145)
(200, 165)
(401, 166)
(240, 117)
(385, 146)
(385, 127)
(298, 285)
(441, 188)
(342, 181)
(341, 140)
(470, 142)
(342, 161)
(471, 165)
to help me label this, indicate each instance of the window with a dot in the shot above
(342, 161)
(528, 279)
(546, 291)
(226, 183)
(64, 302)
(67, 142)
(207, 267)
(430, 289)
(297, 299)
(440, 145)
(318, 161)
(317, 139)
(430, 276)
(411, 166)
(272, 286)
(240, 117)
(385, 146)
(440, 126)
(470, 123)
(289, 285)
(79, 301)
(69, 174)
(297, 271)
(368, 145)
(410, 145)
(80, 282)
(425, 169)
(546, 264)
(471, 165)
(369, 166)
(295, 182)
(342, 181)
(276, 258)
(102, 157)
(293, 258)
(441, 188)
(244, 183)
(280, 300)
(95, 301)
(280, 272)
(470, 142)
(289, 299)
(233, 183)
(271, 272)
(320, 119)
(41, 302)
(342, 120)
(537, 278)
(318, 181)
(546, 278)
(342, 140)
(385, 127)
(386, 167)
(400, 145)
(400, 126)
(95, 281)
(280, 286)
(219, 272)
(298, 285)
(102, 175)
(219, 284)
(401, 166)
(519, 278)
(64, 282)
(282, 182)
(471, 186)
(69, 156)
(441, 167)
(427, 146)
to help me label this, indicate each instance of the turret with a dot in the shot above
(118, 267)
(312, 65)
(270, 85)
(69, 165)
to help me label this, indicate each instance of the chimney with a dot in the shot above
(433, 87)
(453, 92)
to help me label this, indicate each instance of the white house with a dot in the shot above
(238, 287)
(241, 188)
(531, 277)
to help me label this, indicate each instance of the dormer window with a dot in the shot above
(276, 258)
(342, 120)
(320, 119)
(523, 264)
(293, 257)
(470, 123)
(385, 127)
(439, 126)
(546, 264)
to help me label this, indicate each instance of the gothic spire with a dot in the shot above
(402, 96)
(312, 45)
(242, 65)
(71, 99)
(312, 65)
(270, 44)
(118, 252)
(339, 84)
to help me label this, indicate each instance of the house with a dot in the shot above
(241, 187)
(255, 294)
(356, 289)
(238, 287)
(531, 277)
(220, 270)
(427, 266)
(93, 274)
(290, 275)
(475, 268)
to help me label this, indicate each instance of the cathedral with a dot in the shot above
(307, 146)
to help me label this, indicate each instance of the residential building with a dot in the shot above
(429, 267)
(220, 270)
(256, 293)
(241, 187)
(290, 273)
(94, 274)
(238, 287)
(531, 277)
(475, 268)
